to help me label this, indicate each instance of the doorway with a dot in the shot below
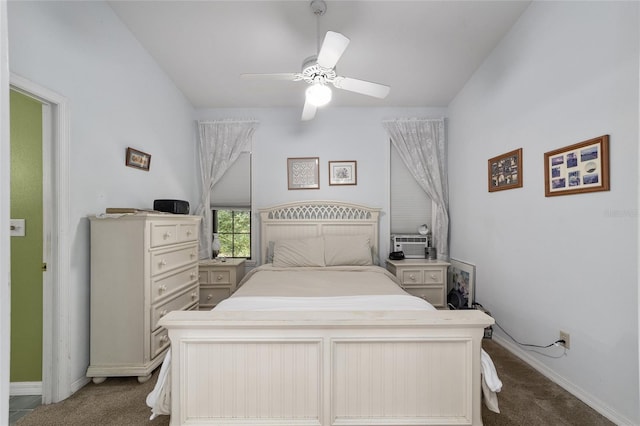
(56, 382)
(27, 237)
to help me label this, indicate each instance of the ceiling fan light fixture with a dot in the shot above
(318, 94)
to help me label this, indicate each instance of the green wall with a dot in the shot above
(26, 252)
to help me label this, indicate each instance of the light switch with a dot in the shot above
(17, 227)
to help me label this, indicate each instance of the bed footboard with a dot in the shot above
(326, 368)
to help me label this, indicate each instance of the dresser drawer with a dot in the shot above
(211, 296)
(169, 284)
(187, 232)
(180, 303)
(159, 341)
(163, 234)
(433, 295)
(160, 338)
(166, 260)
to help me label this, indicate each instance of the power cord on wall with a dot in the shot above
(557, 343)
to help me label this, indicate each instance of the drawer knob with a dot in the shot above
(219, 277)
(194, 295)
(193, 275)
(164, 338)
(412, 277)
(209, 296)
(162, 263)
(189, 232)
(193, 254)
(163, 313)
(433, 277)
(162, 289)
(167, 235)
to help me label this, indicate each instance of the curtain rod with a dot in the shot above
(393, 120)
(228, 120)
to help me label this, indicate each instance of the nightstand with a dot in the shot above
(218, 280)
(424, 278)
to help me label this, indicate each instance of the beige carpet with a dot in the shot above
(527, 398)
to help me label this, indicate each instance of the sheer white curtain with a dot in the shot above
(421, 145)
(221, 143)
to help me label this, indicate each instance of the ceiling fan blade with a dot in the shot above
(275, 76)
(309, 111)
(363, 87)
(333, 47)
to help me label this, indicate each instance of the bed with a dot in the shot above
(318, 335)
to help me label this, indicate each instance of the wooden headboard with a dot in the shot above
(305, 219)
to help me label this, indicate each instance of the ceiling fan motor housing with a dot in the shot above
(311, 71)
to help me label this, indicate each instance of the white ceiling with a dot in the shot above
(424, 50)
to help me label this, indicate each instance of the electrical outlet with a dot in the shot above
(567, 339)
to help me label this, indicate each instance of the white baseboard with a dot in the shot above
(25, 388)
(78, 384)
(570, 387)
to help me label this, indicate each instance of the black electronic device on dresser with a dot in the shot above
(171, 206)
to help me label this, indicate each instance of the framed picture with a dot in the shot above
(137, 159)
(343, 173)
(303, 173)
(505, 171)
(583, 167)
(462, 282)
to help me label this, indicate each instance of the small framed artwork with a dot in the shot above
(583, 167)
(461, 286)
(303, 173)
(343, 173)
(505, 171)
(138, 159)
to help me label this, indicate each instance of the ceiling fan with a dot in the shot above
(319, 70)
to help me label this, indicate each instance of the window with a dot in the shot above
(410, 205)
(233, 228)
(231, 206)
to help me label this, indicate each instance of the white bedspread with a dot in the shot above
(159, 400)
(391, 302)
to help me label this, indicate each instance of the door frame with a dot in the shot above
(56, 365)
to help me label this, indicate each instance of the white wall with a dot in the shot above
(567, 72)
(334, 134)
(118, 98)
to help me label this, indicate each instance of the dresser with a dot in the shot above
(424, 278)
(218, 280)
(143, 266)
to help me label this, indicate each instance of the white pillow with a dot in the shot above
(302, 252)
(354, 250)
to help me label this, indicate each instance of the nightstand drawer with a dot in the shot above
(433, 276)
(210, 296)
(433, 295)
(219, 277)
(411, 277)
